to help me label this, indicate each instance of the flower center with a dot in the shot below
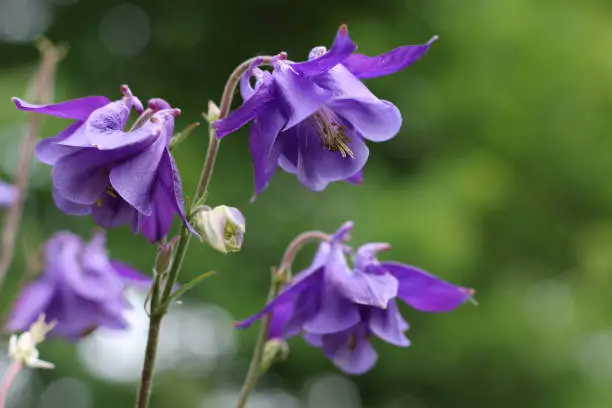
(352, 341)
(110, 190)
(331, 134)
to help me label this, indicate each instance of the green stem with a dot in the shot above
(160, 306)
(279, 277)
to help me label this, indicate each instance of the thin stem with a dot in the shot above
(7, 382)
(160, 308)
(278, 278)
(43, 89)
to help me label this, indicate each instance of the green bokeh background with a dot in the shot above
(499, 180)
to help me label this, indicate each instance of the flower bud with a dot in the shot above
(275, 350)
(222, 227)
(213, 112)
(22, 348)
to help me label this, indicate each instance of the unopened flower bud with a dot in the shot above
(275, 350)
(22, 348)
(164, 255)
(213, 112)
(222, 227)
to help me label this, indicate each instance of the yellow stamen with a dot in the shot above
(331, 134)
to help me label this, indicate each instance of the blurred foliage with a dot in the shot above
(498, 181)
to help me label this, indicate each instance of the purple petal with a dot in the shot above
(248, 110)
(264, 151)
(155, 226)
(365, 258)
(343, 233)
(424, 291)
(301, 96)
(32, 301)
(134, 179)
(315, 340)
(130, 275)
(357, 286)
(336, 314)
(389, 325)
(246, 90)
(316, 167)
(283, 312)
(68, 206)
(81, 176)
(388, 63)
(356, 178)
(373, 119)
(290, 292)
(8, 194)
(78, 109)
(112, 211)
(170, 181)
(49, 151)
(341, 49)
(350, 352)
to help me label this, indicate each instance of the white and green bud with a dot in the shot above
(222, 227)
(22, 348)
(275, 350)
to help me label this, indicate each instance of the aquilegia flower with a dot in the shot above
(80, 288)
(8, 194)
(339, 308)
(312, 118)
(116, 176)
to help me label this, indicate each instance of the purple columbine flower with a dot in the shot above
(8, 194)
(119, 177)
(80, 287)
(312, 118)
(339, 308)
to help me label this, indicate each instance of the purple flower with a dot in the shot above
(8, 194)
(312, 118)
(339, 308)
(80, 287)
(116, 176)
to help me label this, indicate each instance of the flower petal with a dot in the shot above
(373, 119)
(316, 167)
(78, 109)
(357, 286)
(8, 194)
(341, 49)
(68, 206)
(389, 325)
(283, 312)
(298, 95)
(424, 291)
(290, 291)
(388, 63)
(356, 178)
(32, 301)
(264, 151)
(155, 226)
(49, 151)
(335, 314)
(170, 181)
(251, 107)
(350, 352)
(112, 211)
(81, 177)
(134, 179)
(130, 275)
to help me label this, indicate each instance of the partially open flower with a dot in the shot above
(222, 227)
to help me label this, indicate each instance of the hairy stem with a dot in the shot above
(160, 307)
(8, 381)
(279, 277)
(42, 93)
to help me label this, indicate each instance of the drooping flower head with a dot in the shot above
(118, 176)
(339, 307)
(80, 288)
(312, 118)
(8, 194)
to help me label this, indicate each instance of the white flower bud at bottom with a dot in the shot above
(222, 227)
(275, 350)
(22, 348)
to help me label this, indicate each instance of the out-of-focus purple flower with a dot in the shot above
(339, 308)
(8, 194)
(80, 288)
(116, 176)
(312, 118)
